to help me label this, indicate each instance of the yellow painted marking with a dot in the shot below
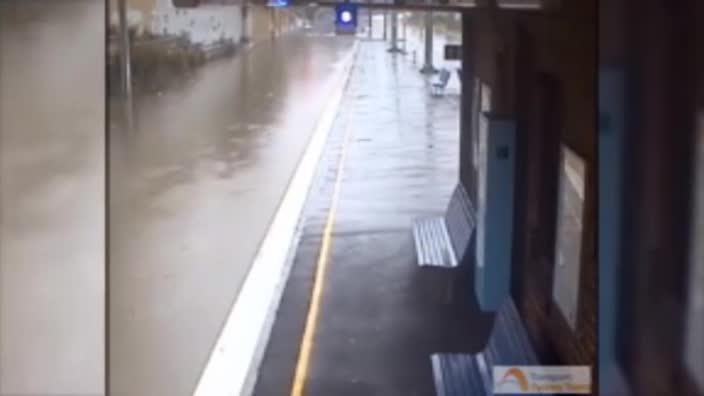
(314, 309)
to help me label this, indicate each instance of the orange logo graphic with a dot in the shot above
(515, 375)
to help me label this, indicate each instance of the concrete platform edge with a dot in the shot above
(235, 359)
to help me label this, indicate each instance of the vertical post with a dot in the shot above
(125, 68)
(428, 65)
(405, 37)
(394, 32)
(611, 103)
(370, 20)
(386, 13)
(244, 36)
(394, 29)
(613, 135)
(272, 22)
(125, 49)
(467, 175)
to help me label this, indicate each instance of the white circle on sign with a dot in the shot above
(346, 16)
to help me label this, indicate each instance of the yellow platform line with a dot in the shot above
(314, 309)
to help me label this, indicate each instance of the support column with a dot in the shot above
(386, 13)
(394, 32)
(405, 37)
(371, 14)
(428, 65)
(467, 174)
(613, 136)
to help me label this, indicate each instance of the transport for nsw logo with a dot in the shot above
(513, 378)
(542, 379)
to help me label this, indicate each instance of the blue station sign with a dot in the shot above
(278, 3)
(346, 17)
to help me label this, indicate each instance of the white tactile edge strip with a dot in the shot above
(234, 362)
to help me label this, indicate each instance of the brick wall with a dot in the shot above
(541, 68)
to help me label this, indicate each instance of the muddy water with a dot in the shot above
(52, 203)
(193, 187)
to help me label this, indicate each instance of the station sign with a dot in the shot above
(278, 3)
(346, 16)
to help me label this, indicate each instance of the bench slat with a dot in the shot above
(460, 220)
(433, 247)
(471, 374)
(443, 80)
(509, 343)
(443, 241)
(457, 374)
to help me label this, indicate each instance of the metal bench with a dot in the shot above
(443, 79)
(443, 241)
(457, 374)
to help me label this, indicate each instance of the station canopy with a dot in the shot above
(450, 5)
(453, 5)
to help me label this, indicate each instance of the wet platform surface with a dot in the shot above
(381, 316)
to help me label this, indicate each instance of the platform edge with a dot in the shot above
(234, 362)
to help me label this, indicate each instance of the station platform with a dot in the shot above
(358, 316)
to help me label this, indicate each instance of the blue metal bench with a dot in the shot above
(443, 79)
(457, 374)
(443, 241)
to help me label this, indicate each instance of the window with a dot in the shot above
(694, 341)
(568, 245)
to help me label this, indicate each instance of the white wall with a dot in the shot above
(204, 25)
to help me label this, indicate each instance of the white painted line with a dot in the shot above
(235, 360)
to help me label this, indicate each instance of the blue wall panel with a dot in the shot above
(497, 154)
